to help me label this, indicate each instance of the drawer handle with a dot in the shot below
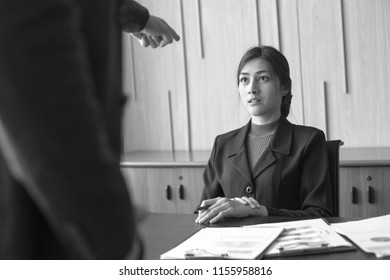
(168, 192)
(181, 192)
(354, 195)
(371, 194)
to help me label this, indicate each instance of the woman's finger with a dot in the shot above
(212, 211)
(249, 202)
(255, 202)
(239, 199)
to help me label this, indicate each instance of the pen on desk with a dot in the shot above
(200, 257)
(285, 251)
(202, 208)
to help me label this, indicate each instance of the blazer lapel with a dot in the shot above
(265, 160)
(280, 144)
(237, 150)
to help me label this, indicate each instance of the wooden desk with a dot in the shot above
(163, 231)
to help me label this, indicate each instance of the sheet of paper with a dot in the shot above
(225, 242)
(305, 237)
(371, 235)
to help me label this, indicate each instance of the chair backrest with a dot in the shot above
(333, 147)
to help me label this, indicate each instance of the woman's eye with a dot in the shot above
(263, 78)
(243, 79)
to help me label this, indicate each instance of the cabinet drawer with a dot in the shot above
(364, 191)
(168, 190)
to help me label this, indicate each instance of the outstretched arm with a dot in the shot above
(148, 29)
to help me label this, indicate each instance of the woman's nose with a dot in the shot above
(252, 89)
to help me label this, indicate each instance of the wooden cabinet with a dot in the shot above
(364, 182)
(172, 182)
(164, 181)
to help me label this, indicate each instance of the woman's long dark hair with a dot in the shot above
(279, 68)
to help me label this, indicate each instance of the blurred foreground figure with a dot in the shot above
(62, 195)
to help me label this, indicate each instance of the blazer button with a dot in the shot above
(249, 190)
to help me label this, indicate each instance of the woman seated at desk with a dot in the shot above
(268, 167)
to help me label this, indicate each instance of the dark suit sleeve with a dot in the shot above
(315, 189)
(212, 187)
(133, 16)
(52, 129)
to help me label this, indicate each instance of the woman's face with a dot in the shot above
(260, 91)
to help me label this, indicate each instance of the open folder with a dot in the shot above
(304, 237)
(225, 243)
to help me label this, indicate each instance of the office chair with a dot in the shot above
(333, 148)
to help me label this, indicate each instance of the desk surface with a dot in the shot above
(162, 231)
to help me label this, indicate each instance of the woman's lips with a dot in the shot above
(254, 101)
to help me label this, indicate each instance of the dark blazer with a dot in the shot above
(290, 179)
(61, 190)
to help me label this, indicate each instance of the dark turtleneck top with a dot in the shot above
(259, 138)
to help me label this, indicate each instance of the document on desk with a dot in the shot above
(371, 235)
(225, 243)
(304, 237)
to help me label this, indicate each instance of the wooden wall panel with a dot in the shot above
(128, 63)
(147, 123)
(366, 109)
(268, 23)
(337, 48)
(290, 47)
(228, 29)
(322, 61)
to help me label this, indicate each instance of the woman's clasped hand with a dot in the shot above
(222, 207)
